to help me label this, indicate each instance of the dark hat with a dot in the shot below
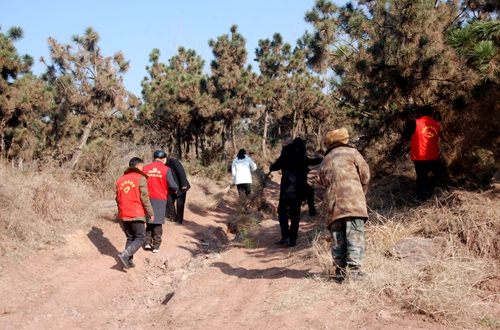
(160, 154)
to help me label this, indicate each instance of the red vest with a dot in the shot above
(424, 142)
(157, 182)
(129, 196)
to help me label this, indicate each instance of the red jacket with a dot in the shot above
(157, 182)
(424, 142)
(128, 196)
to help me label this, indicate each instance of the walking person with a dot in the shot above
(133, 202)
(241, 170)
(309, 188)
(345, 175)
(177, 200)
(424, 149)
(293, 164)
(159, 182)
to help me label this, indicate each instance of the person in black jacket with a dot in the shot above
(293, 164)
(309, 188)
(174, 213)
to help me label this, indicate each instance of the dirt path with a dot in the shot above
(201, 279)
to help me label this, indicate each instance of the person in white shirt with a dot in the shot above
(241, 170)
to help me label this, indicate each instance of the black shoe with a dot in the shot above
(169, 219)
(131, 263)
(355, 274)
(292, 242)
(124, 260)
(339, 274)
(283, 241)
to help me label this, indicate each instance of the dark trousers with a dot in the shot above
(153, 235)
(244, 190)
(310, 199)
(177, 215)
(136, 236)
(290, 206)
(425, 185)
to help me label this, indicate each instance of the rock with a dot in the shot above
(418, 250)
(162, 280)
(383, 315)
(216, 236)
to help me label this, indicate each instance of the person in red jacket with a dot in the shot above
(133, 202)
(159, 182)
(424, 149)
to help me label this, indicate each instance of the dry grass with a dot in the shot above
(212, 201)
(207, 195)
(448, 290)
(38, 208)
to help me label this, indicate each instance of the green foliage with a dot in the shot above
(176, 102)
(230, 83)
(490, 322)
(385, 53)
(479, 44)
(89, 91)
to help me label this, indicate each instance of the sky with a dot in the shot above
(136, 27)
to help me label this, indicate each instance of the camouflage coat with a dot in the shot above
(345, 176)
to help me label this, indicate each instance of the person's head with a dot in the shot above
(427, 110)
(160, 155)
(136, 162)
(301, 144)
(241, 154)
(337, 135)
(286, 141)
(299, 140)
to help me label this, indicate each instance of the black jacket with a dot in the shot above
(293, 164)
(179, 175)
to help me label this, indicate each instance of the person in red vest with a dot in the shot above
(159, 183)
(133, 202)
(424, 149)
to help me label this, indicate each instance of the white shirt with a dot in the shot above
(241, 170)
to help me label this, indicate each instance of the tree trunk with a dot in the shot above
(264, 134)
(179, 144)
(233, 138)
(196, 142)
(2, 140)
(319, 139)
(224, 156)
(188, 150)
(83, 142)
(294, 123)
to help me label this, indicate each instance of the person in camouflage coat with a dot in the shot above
(345, 176)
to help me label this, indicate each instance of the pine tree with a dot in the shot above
(388, 57)
(22, 96)
(231, 83)
(273, 83)
(176, 102)
(89, 87)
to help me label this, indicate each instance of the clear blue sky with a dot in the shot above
(136, 27)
